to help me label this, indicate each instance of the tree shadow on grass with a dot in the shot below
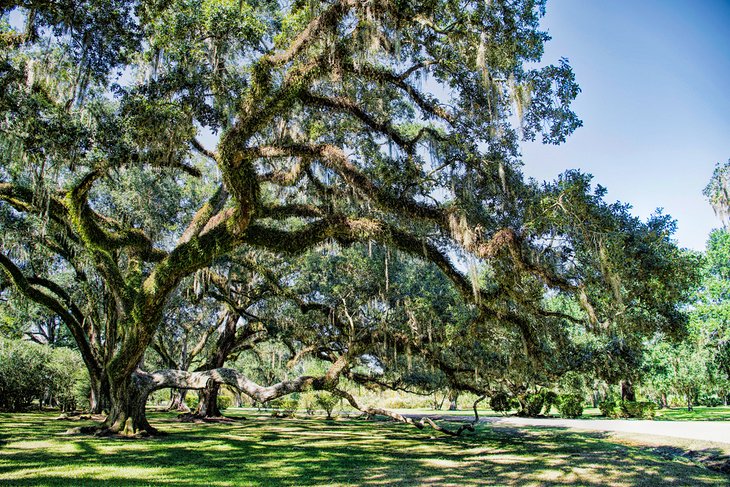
(265, 451)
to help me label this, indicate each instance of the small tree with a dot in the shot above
(328, 402)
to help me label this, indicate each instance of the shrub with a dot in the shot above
(551, 399)
(643, 409)
(32, 372)
(570, 405)
(533, 404)
(500, 403)
(608, 407)
(711, 401)
(191, 401)
(286, 407)
(224, 402)
(24, 373)
(327, 401)
(308, 400)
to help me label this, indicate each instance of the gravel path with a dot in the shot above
(715, 431)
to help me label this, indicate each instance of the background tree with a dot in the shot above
(718, 192)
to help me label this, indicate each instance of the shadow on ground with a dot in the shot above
(265, 451)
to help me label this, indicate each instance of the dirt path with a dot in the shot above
(714, 431)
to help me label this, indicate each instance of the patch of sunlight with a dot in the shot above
(441, 463)
(32, 445)
(508, 459)
(222, 447)
(93, 472)
(17, 425)
(554, 475)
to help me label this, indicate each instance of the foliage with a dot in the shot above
(532, 405)
(224, 401)
(31, 372)
(551, 399)
(286, 407)
(500, 402)
(350, 191)
(570, 405)
(328, 402)
(608, 407)
(191, 401)
(638, 409)
(717, 192)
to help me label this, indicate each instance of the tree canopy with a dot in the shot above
(145, 142)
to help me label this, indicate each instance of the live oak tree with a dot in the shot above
(389, 121)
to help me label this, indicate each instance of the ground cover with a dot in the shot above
(261, 450)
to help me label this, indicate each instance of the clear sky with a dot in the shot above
(655, 104)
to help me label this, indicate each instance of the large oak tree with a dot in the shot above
(390, 121)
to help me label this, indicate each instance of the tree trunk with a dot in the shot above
(627, 391)
(237, 399)
(453, 397)
(177, 400)
(208, 405)
(127, 413)
(100, 396)
(664, 401)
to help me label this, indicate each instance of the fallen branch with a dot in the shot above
(420, 424)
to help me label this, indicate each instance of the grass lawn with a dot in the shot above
(266, 451)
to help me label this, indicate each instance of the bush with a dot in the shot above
(711, 401)
(286, 407)
(308, 400)
(570, 405)
(327, 401)
(608, 407)
(500, 403)
(533, 404)
(224, 402)
(551, 399)
(32, 372)
(191, 401)
(69, 386)
(643, 409)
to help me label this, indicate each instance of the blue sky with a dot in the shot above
(655, 105)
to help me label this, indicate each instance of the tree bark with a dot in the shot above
(453, 397)
(177, 400)
(127, 413)
(100, 396)
(208, 404)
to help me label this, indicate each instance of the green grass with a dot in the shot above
(699, 413)
(312, 451)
